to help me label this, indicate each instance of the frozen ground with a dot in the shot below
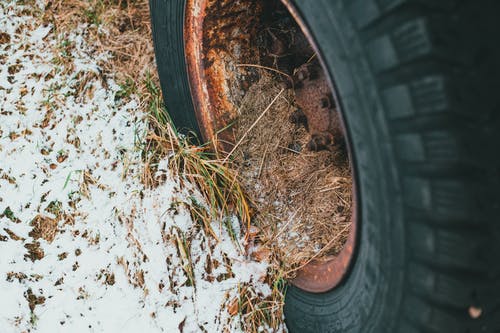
(84, 247)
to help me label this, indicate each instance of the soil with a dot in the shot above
(301, 198)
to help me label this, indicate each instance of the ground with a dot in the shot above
(86, 243)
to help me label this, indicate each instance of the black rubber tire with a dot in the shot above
(417, 83)
(167, 18)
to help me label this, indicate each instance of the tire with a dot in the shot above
(417, 82)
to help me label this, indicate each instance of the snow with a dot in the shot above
(114, 263)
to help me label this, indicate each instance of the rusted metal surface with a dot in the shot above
(322, 275)
(317, 107)
(219, 35)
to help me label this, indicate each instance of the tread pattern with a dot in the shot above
(446, 262)
(423, 58)
(421, 97)
(405, 43)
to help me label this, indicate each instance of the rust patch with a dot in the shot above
(219, 35)
(317, 108)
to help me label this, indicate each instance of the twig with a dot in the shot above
(262, 162)
(289, 149)
(328, 189)
(251, 127)
(283, 228)
(265, 67)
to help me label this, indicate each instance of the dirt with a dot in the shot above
(301, 198)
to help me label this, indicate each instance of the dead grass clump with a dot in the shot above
(126, 37)
(254, 311)
(33, 300)
(4, 38)
(302, 198)
(19, 276)
(44, 227)
(35, 252)
(200, 166)
(13, 235)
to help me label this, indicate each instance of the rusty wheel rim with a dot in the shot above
(218, 36)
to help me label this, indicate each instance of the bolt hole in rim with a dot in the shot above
(220, 36)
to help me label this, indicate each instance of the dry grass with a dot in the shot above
(44, 227)
(302, 198)
(128, 41)
(128, 38)
(198, 165)
(132, 66)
